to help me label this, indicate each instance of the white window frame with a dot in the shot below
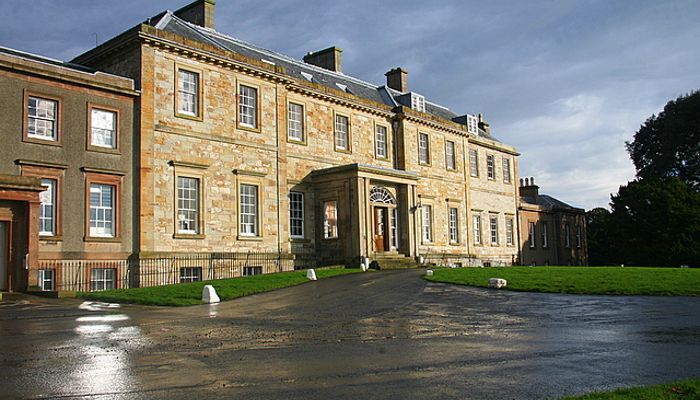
(545, 235)
(531, 234)
(188, 87)
(188, 205)
(42, 118)
(47, 209)
(423, 148)
(450, 156)
(342, 132)
(248, 106)
(47, 279)
(103, 130)
(103, 213)
(454, 224)
(427, 223)
(380, 140)
(476, 226)
(190, 274)
(330, 219)
(506, 170)
(103, 279)
(490, 167)
(493, 223)
(249, 210)
(567, 235)
(295, 116)
(473, 162)
(296, 215)
(510, 231)
(473, 124)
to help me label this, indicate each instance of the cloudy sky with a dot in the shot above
(566, 82)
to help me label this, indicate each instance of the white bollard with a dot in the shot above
(209, 295)
(429, 272)
(496, 283)
(311, 274)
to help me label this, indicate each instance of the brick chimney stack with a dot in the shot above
(397, 79)
(330, 58)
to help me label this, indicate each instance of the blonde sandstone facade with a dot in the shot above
(243, 149)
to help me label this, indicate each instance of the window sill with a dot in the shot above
(188, 236)
(107, 150)
(50, 238)
(99, 239)
(188, 116)
(249, 238)
(249, 128)
(47, 142)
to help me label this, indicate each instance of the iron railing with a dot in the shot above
(91, 275)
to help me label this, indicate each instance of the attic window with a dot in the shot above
(342, 87)
(473, 124)
(417, 102)
(307, 76)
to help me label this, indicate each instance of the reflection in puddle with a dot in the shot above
(103, 344)
(97, 306)
(213, 310)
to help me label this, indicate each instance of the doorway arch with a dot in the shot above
(384, 217)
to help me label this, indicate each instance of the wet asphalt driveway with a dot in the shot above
(383, 334)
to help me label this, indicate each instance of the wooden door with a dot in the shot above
(381, 233)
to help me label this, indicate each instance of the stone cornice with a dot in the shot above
(96, 80)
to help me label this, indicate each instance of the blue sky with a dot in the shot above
(565, 82)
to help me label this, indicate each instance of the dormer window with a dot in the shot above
(413, 100)
(417, 102)
(473, 124)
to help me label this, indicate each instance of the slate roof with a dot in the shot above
(169, 22)
(549, 203)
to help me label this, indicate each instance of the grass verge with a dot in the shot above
(681, 390)
(581, 280)
(187, 294)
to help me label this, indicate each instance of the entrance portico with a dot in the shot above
(375, 212)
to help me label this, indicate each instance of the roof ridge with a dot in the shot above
(272, 53)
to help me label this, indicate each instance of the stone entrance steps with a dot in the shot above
(392, 260)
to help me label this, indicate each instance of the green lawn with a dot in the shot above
(682, 390)
(187, 294)
(588, 280)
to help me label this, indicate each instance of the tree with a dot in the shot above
(656, 222)
(668, 144)
(602, 249)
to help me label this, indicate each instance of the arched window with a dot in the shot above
(381, 195)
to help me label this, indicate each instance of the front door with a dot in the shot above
(381, 233)
(4, 253)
